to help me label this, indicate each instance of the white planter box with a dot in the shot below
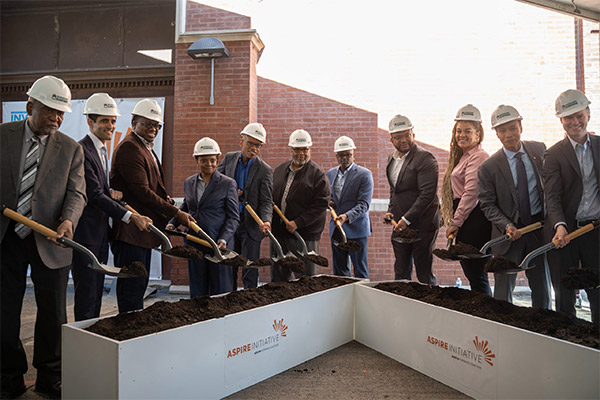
(209, 359)
(481, 358)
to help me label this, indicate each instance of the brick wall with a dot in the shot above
(200, 17)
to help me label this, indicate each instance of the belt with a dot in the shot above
(582, 223)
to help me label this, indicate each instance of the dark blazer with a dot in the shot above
(93, 224)
(563, 183)
(217, 210)
(307, 200)
(414, 195)
(258, 191)
(59, 190)
(136, 175)
(497, 192)
(354, 201)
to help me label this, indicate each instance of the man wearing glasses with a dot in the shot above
(412, 173)
(137, 173)
(254, 179)
(301, 190)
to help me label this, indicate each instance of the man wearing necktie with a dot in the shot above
(511, 197)
(571, 179)
(42, 178)
(93, 230)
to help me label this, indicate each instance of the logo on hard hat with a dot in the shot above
(108, 105)
(206, 147)
(60, 98)
(153, 111)
(506, 114)
(344, 144)
(300, 140)
(399, 123)
(571, 104)
(468, 113)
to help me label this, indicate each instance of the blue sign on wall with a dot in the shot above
(18, 115)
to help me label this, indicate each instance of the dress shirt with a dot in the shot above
(288, 183)
(397, 163)
(464, 183)
(589, 206)
(27, 141)
(340, 178)
(534, 198)
(149, 146)
(241, 176)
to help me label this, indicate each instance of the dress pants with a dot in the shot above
(89, 284)
(50, 286)
(207, 278)
(359, 259)
(250, 248)
(283, 274)
(419, 252)
(130, 291)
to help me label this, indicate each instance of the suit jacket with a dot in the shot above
(414, 194)
(217, 210)
(563, 183)
(59, 189)
(258, 190)
(354, 201)
(93, 225)
(135, 173)
(497, 192)
(307, 200)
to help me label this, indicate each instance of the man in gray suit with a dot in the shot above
(511, 199)
(412, 173)
(42, 178)
(571, 179)
(254, 179)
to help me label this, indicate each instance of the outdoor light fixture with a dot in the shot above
(209, 47)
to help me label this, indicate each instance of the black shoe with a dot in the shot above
(13, 387)
(50, 389)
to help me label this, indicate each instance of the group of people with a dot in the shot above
(484, 197)
(70, 187)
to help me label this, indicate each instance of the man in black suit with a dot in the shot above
(510, 200)
(93, 229)
(412, 173)
(571, 179)
(254, 179)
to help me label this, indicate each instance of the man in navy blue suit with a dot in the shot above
(93, 230)
(351, 193)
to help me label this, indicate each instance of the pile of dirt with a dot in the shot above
(184, 252)
(291, 262)
(545, 322)
(238, 261)
(136, 269)
(408, 234)
(349, 246)
(261, 262)
(317, 259)
(458, 249)
(499, 264)
(165, 315)
(580, 278)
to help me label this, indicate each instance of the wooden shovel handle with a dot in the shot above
(30, 223)
(129, 208)
(334, 215)
(254, 215)
(198, 240)
(530, 228)
(579, 232)
(278, 211)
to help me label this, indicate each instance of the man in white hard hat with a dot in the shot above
(351, 194)
(137, 173)
(301, 190)
(212, 199)
(42, 177)
(571, 178)
(511, 197)
(93, 230)
(412, 173)
(254, 179)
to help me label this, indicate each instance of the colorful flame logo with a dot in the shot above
(280, 327)
(482, 346)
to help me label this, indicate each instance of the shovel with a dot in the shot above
(225, 252)
(524, 266)
(93, 261)
(344, 244)
(444, 253)
(500, 239)
(400, 239)
(218, 257)
(309, 255)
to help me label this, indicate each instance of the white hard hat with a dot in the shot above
(503, 114)
(148, 108)
(468, 113)
(51, 92)
(400, 123)
(101, 104)
(343, 143)
(569, 102)
(206, 147)
(300, 138)
(256, 131)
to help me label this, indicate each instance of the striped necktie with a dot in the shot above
(27, 182)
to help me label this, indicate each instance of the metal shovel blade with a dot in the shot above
(219, 255)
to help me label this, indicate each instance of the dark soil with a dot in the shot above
(580, 278)
(184, 252)
(406, 234)
(458, 249)
(261, 262)
(349, 246)
(163, 315)
(293, 263)
(136, 269)
(238, 261)
(317, 259)
(545, 322)
(498, 264)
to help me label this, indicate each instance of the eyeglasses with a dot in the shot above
(400, 137)
(344, 155)
(150, 125)
(254, 145)
(301, 149)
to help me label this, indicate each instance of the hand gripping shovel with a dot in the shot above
(227, 253)
(309, 255)
(503, 238)
(93, 261)
(289, 260)
(398, 237)
(445, 254)
(344, 244)
(220, 256)
(547, 247)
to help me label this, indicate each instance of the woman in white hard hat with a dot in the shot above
(211, 198)
(460, 209)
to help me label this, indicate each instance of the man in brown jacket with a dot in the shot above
(137, 173)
